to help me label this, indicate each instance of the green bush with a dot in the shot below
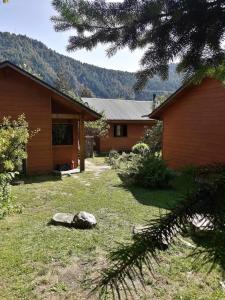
(6, 206)
(140, 148)
(14, 136)
(112, 158)
(116, 160)
(147, 171)
(153, 138)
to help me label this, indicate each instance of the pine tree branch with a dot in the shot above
(128, 262)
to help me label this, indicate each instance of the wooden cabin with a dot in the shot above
(194, 124)
(59, 118)
(127, 119)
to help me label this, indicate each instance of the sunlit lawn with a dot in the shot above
(39, 261)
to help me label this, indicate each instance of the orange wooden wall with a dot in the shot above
(135, 132)
(18, 95)
(194, 126)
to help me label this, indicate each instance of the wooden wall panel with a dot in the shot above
(18, 95)
(135, 132)
(194, 127)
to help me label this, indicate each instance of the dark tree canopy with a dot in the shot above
(191, 30)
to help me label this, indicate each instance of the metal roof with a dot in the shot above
(117, 109)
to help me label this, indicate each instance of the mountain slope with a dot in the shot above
(102, 82)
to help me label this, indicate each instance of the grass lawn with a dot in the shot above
(38, 261)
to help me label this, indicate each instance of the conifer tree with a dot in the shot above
(191, 30)
(86, 92)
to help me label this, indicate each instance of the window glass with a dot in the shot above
(120, 130)
(62, 134)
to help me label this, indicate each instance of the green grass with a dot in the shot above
(39, 261)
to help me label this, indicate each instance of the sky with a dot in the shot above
(32, 18)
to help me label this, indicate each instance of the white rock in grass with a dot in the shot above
(84, 220)
(63, 219)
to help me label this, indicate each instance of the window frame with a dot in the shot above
(125, 132)
(72, 133)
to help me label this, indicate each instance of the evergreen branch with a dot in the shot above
(190, 30)
(127, 263)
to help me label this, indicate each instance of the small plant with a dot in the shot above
(112, 158)
(140, 148)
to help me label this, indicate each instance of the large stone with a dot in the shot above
(84, 220)
(63, 219)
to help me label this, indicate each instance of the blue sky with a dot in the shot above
(32, 18)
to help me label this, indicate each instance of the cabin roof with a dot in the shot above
(121, 110)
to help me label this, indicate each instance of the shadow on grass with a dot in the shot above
(161, 198)
(40, 178)
(165, 198)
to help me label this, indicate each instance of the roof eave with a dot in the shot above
(49, 87)
(130, 120)
(157, 113)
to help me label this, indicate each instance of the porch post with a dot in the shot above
(82, 143)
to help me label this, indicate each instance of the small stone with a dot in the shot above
(63, 219)
(84, 220)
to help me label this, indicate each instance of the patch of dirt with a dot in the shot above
(70, 282)
(96, 169)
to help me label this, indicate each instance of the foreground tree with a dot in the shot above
(192, 30)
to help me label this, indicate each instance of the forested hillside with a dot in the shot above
(41, 60)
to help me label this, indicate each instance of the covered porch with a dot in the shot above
(68, 135)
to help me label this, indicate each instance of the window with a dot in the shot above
(62, 134)
(120, 130)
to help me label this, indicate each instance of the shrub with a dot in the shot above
(211, 173)
(140, 148)
(14, 136)
(113, 156)
(6, 205)
(147, 171)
